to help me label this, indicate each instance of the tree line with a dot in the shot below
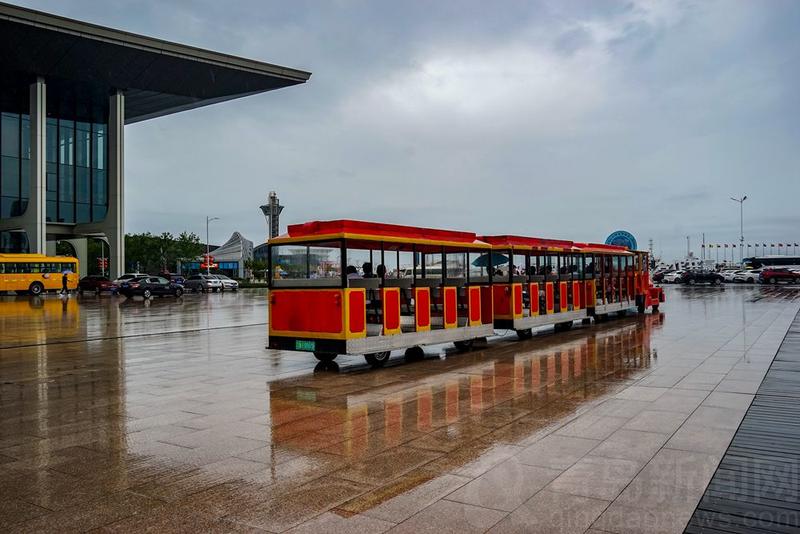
(145, 252)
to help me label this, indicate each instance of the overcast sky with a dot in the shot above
(553, 118)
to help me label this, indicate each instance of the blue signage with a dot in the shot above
(622, 238)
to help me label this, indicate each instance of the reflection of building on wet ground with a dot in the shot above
(171, 415)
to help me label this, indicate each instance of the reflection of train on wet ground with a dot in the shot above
(459, 400)
(351, 287)
(36, 273)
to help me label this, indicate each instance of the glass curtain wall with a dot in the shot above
(76, 180)
(15, 154)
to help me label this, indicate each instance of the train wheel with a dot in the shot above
(655, 308)
(377, 359)
(414, 354)
(563, 327)
(325, 356)
(525, 334)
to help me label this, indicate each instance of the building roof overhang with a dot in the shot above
(83, 63)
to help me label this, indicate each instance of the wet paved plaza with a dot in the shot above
(172, 416)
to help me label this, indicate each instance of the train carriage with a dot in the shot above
(536, 282)
(353, 287)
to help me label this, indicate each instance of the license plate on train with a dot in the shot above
(301, 344)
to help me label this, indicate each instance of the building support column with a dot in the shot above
(33, 221)
(114, 224)
(81, 246)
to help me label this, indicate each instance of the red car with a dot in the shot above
(95, 284)
(774, 276)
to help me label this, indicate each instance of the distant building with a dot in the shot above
(261, 252)
(230, 258)
(272, 211)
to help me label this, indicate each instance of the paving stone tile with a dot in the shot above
(334, 523)
(450, 517)
(696, 438)
(590, 426)
(624, 519)
(631, 445)
(399, 500)
(714, 417)
(550, 512)
(641, 393)
(556, 451)
(596, 477)
(656, 421)
(734, 401)
(505, 486)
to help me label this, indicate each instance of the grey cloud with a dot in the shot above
(565, 119)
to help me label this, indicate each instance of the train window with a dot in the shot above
(405, 264)
(289, 261)
(478, 265)
(325, 261)
(548, 266)
(578, 266)
(432, 266)
(456, 264)
(590, 265)
(519, 264)
(358, 258)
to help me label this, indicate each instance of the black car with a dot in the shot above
(702, 277)
(150, 286)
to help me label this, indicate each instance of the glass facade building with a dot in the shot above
(76, 155)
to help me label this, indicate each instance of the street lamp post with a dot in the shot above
(741, 225)
(208, 247)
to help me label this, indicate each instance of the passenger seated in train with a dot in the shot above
(366, 268)
(352, 273)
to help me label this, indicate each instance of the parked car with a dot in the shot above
(202, 282)
(729, 274)
(658, 276)
(228, 284)
(701, 277)
(150, 286)
(748, 276)
(129, 276)
(673, 277)
(94, 283)
(775, 276)
(177, 278)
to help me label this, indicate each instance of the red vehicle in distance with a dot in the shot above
(775, 276)
(96, 284)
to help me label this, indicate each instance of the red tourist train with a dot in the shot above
(354, 287)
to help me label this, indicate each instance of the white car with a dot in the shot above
(228, 284)
(749, 276)
(674, 277)
(729, 274)
(129, 276)
(203, 282)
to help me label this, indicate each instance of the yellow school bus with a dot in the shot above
(36, 273)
